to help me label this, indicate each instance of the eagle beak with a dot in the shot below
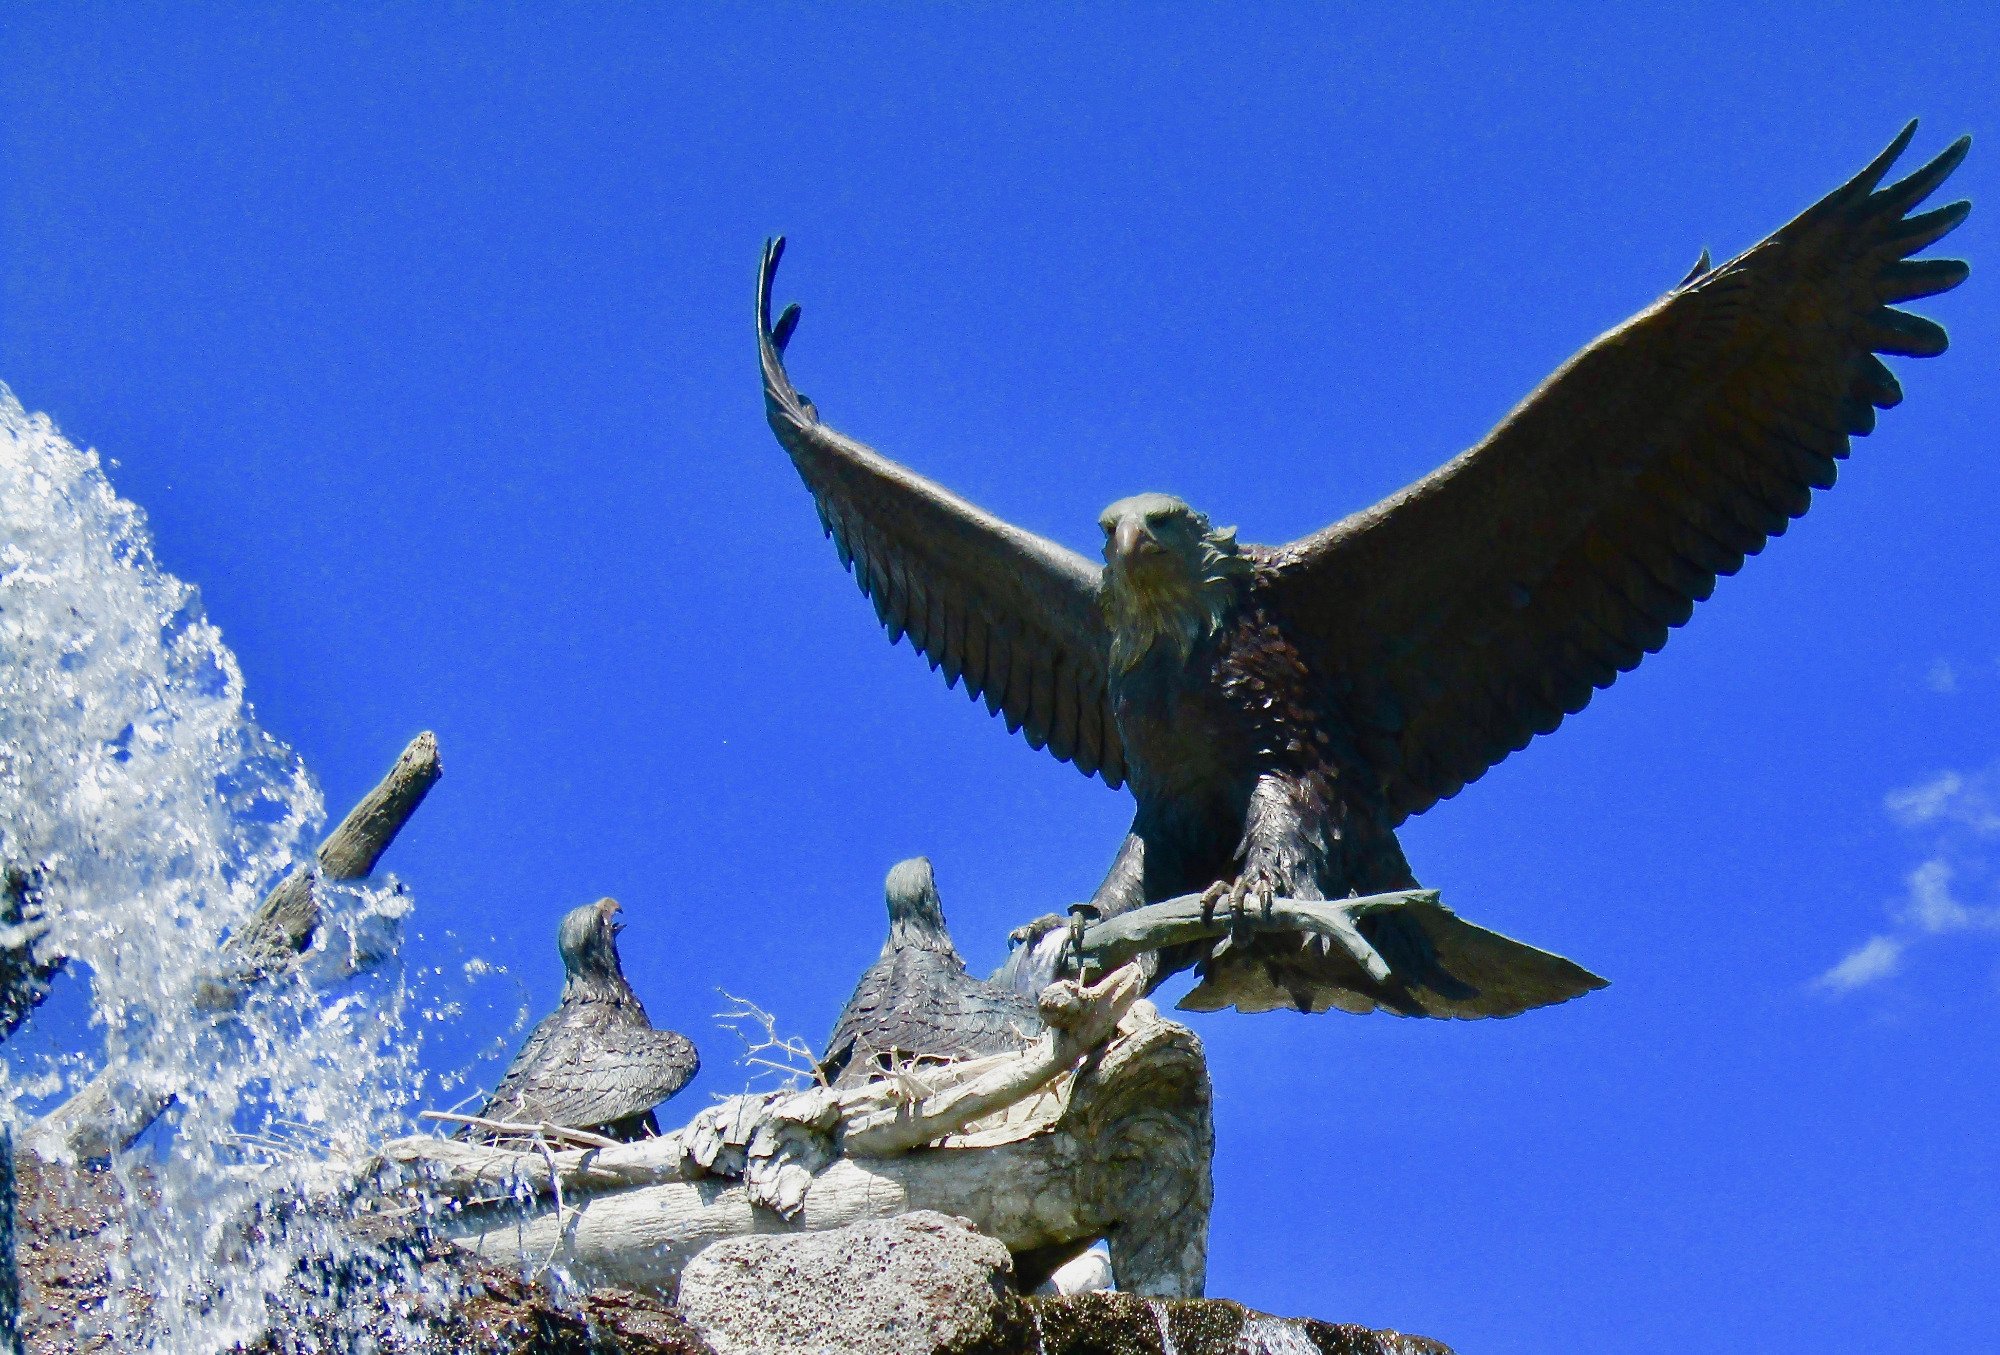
(1128, 539)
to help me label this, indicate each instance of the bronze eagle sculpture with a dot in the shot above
(594, 1063)
(917, 1004)
(1279, 711)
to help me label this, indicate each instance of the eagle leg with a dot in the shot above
(1283, 853)
(1256, 882)
(1081, 915)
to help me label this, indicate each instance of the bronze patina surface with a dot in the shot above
(1278, 711)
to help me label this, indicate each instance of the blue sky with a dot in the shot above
(425, 341)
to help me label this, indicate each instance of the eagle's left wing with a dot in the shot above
(1012, 613)
(1461, 617)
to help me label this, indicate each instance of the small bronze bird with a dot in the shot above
(917, 1003)
(595, 1062)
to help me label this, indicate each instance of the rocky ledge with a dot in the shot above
(921, 1284)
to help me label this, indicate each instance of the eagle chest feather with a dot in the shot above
(1240, 707)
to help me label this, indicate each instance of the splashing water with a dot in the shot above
(154, 813)
(1274, 1336)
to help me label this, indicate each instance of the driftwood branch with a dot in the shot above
(1099, 1130)
(122, 1100)
(1115, 940)
(473, 1173)
(284, 925)
(1402, 952)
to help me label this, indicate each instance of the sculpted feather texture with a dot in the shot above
(1182, 606)
(917, 1004)
(1279, 711)
(595, 1062)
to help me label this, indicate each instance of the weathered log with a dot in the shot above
(125, 1097)
(1127, 1161)
(284, 925)
(469, 1173)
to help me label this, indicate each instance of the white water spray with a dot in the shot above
(152, 813)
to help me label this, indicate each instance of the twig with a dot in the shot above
(555, 1186)
(522, 1130)
(476, 1094)
(798, 1063)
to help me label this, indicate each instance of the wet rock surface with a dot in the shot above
(922, 1283)
(1125, 1324)
(418, 1298)
(488, 1312)
(63, 1221)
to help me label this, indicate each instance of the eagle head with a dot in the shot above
(1168, 575)
(916, 913)
(588, 940)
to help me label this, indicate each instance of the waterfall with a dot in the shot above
(1274, 1336)
(151, 813)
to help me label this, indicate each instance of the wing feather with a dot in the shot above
(976, 649)
(1460, 617)
(1012, 615)
(592, 1063)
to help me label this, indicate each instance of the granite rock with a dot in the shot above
(918, 1284)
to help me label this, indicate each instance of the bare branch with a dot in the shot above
(1115, 940)
(794, 1061)
(522, 1130)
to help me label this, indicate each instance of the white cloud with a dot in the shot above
(1933, 908)
(1915, 805)
(1958, 817)
(1879, 957)
(1942, 677)
(1949, 798)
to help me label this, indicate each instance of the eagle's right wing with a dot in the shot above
(1013, 614)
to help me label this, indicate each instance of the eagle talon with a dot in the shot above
(1081, 915)
(1209, 898)
(1247, 886)
(1239, 900)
